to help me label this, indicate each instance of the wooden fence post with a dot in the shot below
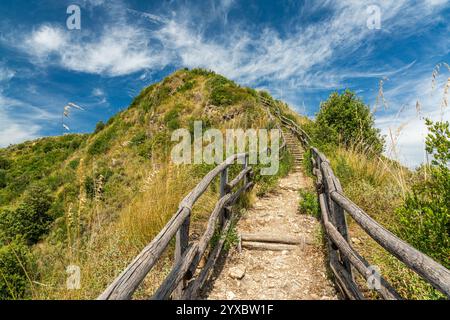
(345, 280)
(181, 245)
(223, 192)
(244, 166)
(341, 223)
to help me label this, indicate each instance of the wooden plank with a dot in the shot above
(204, 241)
(344, 281)
(242, 175)
(252, 237)
(437, 275)
(225, 201)
(182, 242)
(267, 246)
(201, 187)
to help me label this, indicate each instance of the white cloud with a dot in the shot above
(248, 56)
(12, 129)
(117, 51)
(97, 92)
(6, 74)
(408, 126)
(46, 39)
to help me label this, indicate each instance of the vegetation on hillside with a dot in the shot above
(413, 205)
(96, 200)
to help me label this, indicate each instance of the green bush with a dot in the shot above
(101, 143)
(99, 127)
(89, 187)
(172, 118)
(4, 163)
(74, 164)
(345, 119)
(308, 203)
(139, 138)
(425, 215)
(30, 220)
(223, 91)
(186, 86)
(201, 72)
(15, 263)
(2, 178)
(145, 149)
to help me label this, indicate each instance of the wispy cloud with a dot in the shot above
(117, 51)
(404, 123)
(244, 55)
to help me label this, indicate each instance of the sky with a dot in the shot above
(300, 51)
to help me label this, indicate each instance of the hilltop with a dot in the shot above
(94, 200)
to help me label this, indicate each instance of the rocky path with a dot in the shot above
(294, 272)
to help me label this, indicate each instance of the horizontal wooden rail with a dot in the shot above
(437, 275)
(385, 289)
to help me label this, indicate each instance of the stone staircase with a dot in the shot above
(295, 148)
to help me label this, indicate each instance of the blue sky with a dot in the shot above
(300, 51)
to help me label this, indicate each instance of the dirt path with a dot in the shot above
(299, 273)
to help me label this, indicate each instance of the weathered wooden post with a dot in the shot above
(223, 191)
(181, 245)
(341, 222)
(244, 166)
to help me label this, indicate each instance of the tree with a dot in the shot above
(30, 220)
(345, 119)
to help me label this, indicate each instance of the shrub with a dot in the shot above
(99, 127)
(2, 178)
(74, 164)
(172, 118)
(5, 164)
(15, 262)
(345, 119)
(89, 187)
(425, 215)
(101, 142)
(145, 150)
(201, 72)
(30, 220)
(225, 92)
(186, 86)
(139, 138)
(308, 203)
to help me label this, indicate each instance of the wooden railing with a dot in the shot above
(343, 258)
(188, 254)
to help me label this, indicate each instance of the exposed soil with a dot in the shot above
(299, 273)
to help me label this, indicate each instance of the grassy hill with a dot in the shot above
(95, 200)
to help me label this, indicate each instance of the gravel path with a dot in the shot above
(294, 274)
